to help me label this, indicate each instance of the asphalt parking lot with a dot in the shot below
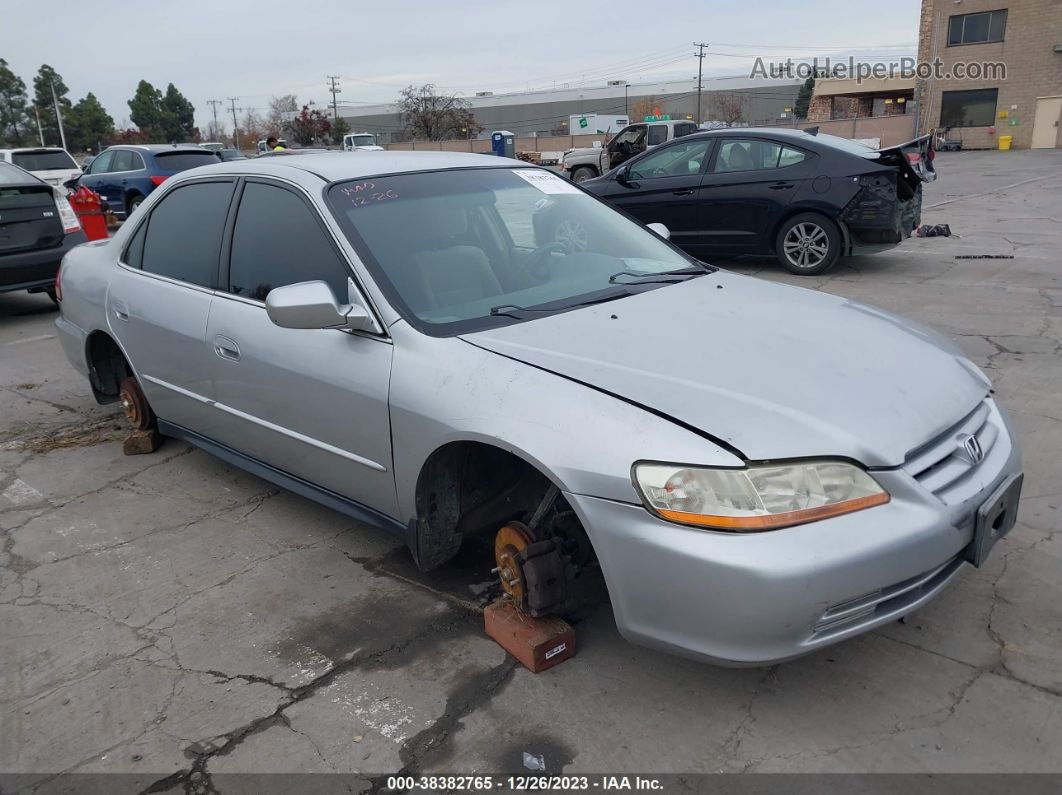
(170, 617)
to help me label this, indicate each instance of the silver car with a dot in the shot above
(759, 470)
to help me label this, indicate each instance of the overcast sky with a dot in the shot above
(217, 50)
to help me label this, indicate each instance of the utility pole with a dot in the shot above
(58, 117)
(235, 124)
(214, 106)
(335, 89)
(40, 132)
(700, 70)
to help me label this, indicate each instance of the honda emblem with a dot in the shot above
(970, 449)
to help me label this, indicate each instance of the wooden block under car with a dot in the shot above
(538, 643)
(142, 442)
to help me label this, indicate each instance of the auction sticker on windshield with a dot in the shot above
(547, 182)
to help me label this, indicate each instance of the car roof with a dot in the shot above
(337, 166)
(158, 147)
(19, 149)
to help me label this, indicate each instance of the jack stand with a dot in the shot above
(538, 643)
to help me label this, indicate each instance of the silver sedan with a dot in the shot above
(759, 470)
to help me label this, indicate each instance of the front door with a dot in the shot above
(748, 185)
(629, 142)
(159, 299)
(663, 186)
(100, 178)
(309, 402)
(1046, 125)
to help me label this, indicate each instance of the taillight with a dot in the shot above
(913, 157)
(67, 214)
(59, 283)
(156, 180)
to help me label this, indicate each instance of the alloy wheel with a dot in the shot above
(572, 235)
(806, 245)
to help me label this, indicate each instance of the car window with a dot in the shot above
(631, 135)
(790, 157)
(134, 252)
(43, 160)
(10, 175)
(102, 164)
(657, 134)
(747, 155)
(182, 161)
(685, 129)
(123, 160)
(679, 160)
(184, 232)
(277, 241)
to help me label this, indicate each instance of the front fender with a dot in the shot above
(445, 390)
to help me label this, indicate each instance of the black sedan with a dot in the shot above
(37, 227)
(805, 197)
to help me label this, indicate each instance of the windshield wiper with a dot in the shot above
(663, 277)
(518, 312)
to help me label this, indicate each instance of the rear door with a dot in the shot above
(664, 186)
(749, 183)
(159, 299)
(310, 402)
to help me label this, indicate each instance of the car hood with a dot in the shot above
(770, 370)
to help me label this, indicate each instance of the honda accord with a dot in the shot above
(758, 470)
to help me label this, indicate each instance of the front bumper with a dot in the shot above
(758, 599)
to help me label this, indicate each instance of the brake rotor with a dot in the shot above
(135, 405)
(512, 539)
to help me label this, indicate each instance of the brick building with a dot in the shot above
(851, 99)
(1026, 36)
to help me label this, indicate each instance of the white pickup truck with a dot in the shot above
(593, 161)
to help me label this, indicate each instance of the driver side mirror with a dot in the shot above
(660, 230)
(622, 175)
(310, 305)
(71, 184)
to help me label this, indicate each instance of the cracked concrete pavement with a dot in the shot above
(169, 617)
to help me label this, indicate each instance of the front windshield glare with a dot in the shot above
(450, 246)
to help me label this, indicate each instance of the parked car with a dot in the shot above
(37, 227)
(126, 174)
(230, 154)
(352, 142)
(759, 470)
(593, 161)
(52, 164)
(807, 198)
(212, 146)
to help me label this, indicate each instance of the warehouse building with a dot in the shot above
(547, 112)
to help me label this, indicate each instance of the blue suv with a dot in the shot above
(124, 175)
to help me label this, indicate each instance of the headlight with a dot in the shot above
(759, 497)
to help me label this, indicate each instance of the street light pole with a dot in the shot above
(58, 116)
(626, 112)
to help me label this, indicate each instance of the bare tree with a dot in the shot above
(436, 117)
(215, 131)
(728, 107)
(280, 110)
(252, 128)
(644, 106)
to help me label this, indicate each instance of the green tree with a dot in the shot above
(87, 124)
(803, 100)
(340, 127)
(310, 126)
(178, 116)
(43, 102)
(12, 106)
(145, 110)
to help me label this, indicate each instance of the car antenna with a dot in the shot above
(812, 130)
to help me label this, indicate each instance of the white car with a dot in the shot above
(53, 164)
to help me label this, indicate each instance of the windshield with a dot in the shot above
(362, 140)
(182, 161)
(44, 160)
(467, 249)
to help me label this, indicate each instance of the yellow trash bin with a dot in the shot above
(1004, 142)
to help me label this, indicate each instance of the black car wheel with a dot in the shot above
(808, 244)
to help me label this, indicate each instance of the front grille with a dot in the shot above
(941, 465)
(882, 601)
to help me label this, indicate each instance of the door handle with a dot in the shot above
(682, 192)
(226, 348)
(781, 186)
(121, 312)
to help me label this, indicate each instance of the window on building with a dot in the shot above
(975, 108)
(977, 28)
